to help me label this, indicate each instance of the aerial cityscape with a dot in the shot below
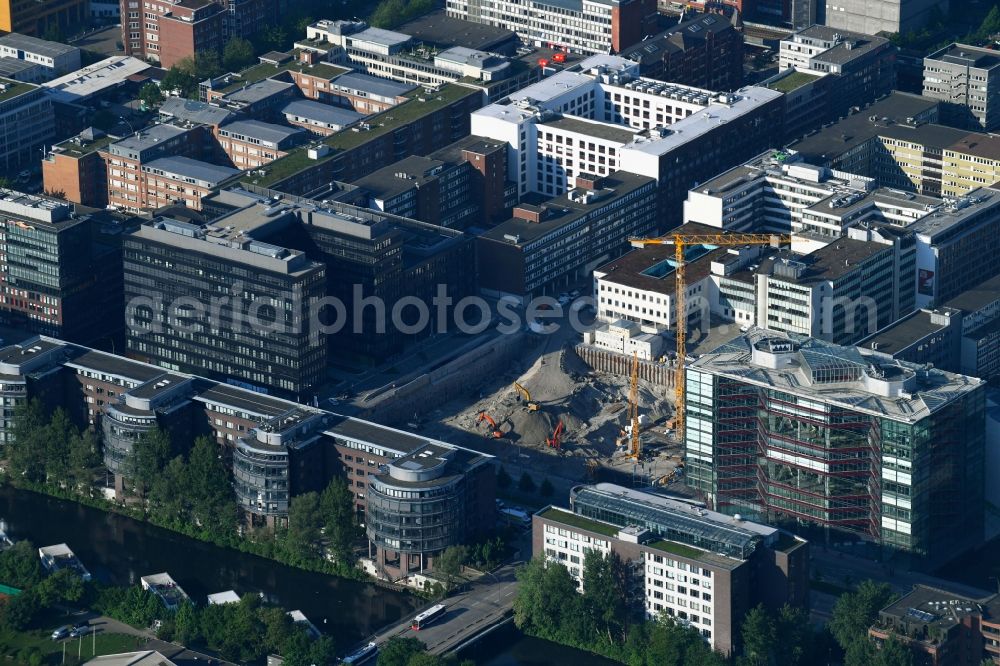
(500, 332)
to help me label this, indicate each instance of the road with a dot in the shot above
(485, 601)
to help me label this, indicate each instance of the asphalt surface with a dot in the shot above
(485, 602)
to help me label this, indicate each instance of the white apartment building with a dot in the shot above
(601, 116)
(626, 338)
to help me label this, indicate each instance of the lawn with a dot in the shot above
(574, 520)
(677, 549)
(37, 647)
(789, 83)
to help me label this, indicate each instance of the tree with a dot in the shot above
(503, 479)
(340, 519)
(546, 488)
(855, 611)
(398, 651)
(151, 96)
(547, 604)
(84, 456)
(760, 638)
(26, 453)
(793, 629)
(310, 651)
(149, 454)
(604, 593)
(451, 561)
(213, 504)
(893, 653)
(304, 523)
(180, 78)
(526, 484)
(990, 25)
(20, 566)
(237, 54)
(207, 65)
(58, 434)
(187, 628)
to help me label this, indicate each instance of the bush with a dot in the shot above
(526, 484)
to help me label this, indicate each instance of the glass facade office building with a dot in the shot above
(794, 430)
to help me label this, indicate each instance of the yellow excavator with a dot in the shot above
(523, 393)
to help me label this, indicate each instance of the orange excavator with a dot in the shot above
(555, 441)
(483, 416)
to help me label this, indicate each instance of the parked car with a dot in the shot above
(81, 629)
(62, 632)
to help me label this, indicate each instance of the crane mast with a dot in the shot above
(680, 242)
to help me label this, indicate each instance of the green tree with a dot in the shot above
(207, 64)
(58, 435)
(304, 522)
(760, 638)
(397, 651)
(26, 453)
(990, 25)
(180, 78)
(168, 493)
(149, 454)
(855, 611)
(310, 651)
(526, 484)
(893, 653)
(503, 479)
(547, 603)
(213, 504)
(451, 561)
(237, 54)
(151, 96)
(20, 566)
(340, 519)
(84, 456)
(187, 625)
(604, 593)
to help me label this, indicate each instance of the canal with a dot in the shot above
(118, 550)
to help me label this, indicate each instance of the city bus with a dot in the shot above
(428, 616)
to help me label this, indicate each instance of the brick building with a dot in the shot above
(168, 31)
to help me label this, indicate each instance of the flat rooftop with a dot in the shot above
(927, 606)
(266, 70)
(186, 167)
(390, 181)
(933, 390)
(323, 113)
(115, 366)
(250, 402)
(904, 333)
(830, 142)
(563, 211)
(601, 130)
(265, 132)
(360, 82)
(437, 28)
(985, 293)
(82, 84)
(947, 221)
(41, 47)
(10, 89)
(830, 262)
(978, 145)
(966, 55)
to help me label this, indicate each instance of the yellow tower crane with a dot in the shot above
(680, 242)
(635, 445)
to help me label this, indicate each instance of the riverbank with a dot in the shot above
(119, 550)
(261, 544)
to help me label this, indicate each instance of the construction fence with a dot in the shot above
(603, 360)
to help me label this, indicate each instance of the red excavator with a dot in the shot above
(555, 441)
(483, 416)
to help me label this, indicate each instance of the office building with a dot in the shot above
(600, 117)
(702, 568)
(253, 143)
(182, 110)
(399, 57)
(27, 123)
(368, 94)
(843, 69)
(872, 18)
(967, 81)
(167, 32)
(258, 333)
(943, 627)
(57, 59)
(29, 17)
(459, 186)
(275, 449)
(586, 26)
(839, 443)
(60, 273)
(704, 52)
(552, 242)
(961, 335)
(420, 504)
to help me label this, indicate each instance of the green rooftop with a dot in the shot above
(73, 149)
(573, 520)
(675, 548)
(266, 70)
(14, 88)
(787, 84)
(387, 121)
(786, 542)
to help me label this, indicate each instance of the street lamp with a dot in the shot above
(122, 118)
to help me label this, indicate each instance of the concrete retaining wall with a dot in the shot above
(603, 360)
(453, 380)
